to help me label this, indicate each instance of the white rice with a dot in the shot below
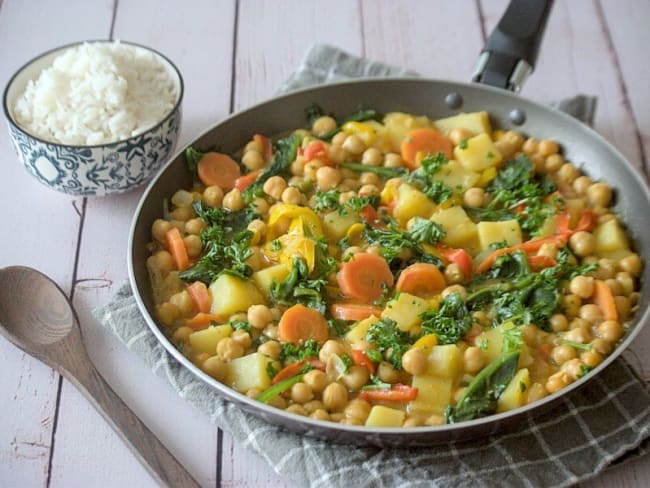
(97, 93)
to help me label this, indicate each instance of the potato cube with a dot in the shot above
(405, 310)
(444, 361)
(461, 231)
(476, 122)
(478, 153)
(381, 416)
(206, 340)
(505, 230)
(231, 294)
(514, 395)
(249, 372)
(336, 225)
(610, 237)
(357, 334)
(264, 277)
(411, 202)
(434, 394)
(457, 177)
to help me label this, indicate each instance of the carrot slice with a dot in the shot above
(369, 214)
(267, 149)
(315, 149)
(421, 279)
(364, 277)
(293, 369)
(360, 358)
(460, 257)
(245, 181)
(177, 249)
(218, 169)
(202, 320)
(587, 221)
(200, 296)
(353, 311)
(604, 298)
(298, 324)
(428, 141)
(538, 263)
(398, 393)
(528, 247)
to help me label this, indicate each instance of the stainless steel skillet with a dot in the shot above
(508, 56)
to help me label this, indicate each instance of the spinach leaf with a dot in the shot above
(378, 170)
(300, 287)
(388, 339)
(481, 396)
(450, 322)
(392, 240)
(292, 353)
(424, 231)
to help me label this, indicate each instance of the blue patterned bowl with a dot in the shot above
(92, 170)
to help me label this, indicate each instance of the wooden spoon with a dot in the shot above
(37, 317)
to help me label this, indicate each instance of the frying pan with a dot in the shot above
(506, 60)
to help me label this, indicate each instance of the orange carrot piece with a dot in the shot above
(460, 257)
(288, 371)
(177, 249)
(538, 263)
(298, 324)
(369, 214)
(421, 279)
(218, 169)
(528, 247)
(360, 358)
(315, 149)
(562, 223)
(398, 393)
(353, 311)
(364, 277)
(267, 149)
(202, 320)
(245, 181)
(587, 221)
(427, 141)
(200, 296)
(544, 351)
(604, 298)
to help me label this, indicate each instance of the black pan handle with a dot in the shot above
(511, 50)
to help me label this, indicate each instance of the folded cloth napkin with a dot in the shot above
(606, 422)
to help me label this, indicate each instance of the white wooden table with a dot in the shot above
(232, 54)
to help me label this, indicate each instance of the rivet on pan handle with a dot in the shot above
(511, 50)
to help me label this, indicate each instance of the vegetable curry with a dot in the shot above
(393, 270)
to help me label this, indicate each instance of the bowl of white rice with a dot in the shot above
(95, 117)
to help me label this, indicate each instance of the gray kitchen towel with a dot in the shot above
(606, 422)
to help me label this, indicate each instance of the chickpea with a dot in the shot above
(313, 405)
(193, 245)
(330, 347)
(573, 368)
(392, 160)
(538, 161)
(559, 322)
(271, 349)
(481, 317)
(562, 354)
(623, 306)
(354, 145)
(260, 206)
(301, 393)
(167, 313)
(271, 331)
(455, 289)
(233, 200)
(327, 178)
(556, 382)
(213, 196)
(567, 173)
(547, 147)
(259, 316)
(605, 217)
(535, 392)
(335, 397)
(253, 393)
(296, 409)
(606, 269)
(553, 163)
(228, 349)
(615, 286)
(253, 160)
(311, 168)
(337, 154)
(578, 335)
(351, 183)
(582, 286)
(292, 195)
(253, 146)
(323, 125)
(591, 358)
(453, 274)
(184, 302)
(316, 379)
(581, 184)
(529, 334)
(610, 330)
(376, 250)
(278, 402)
(356, 377)
(434, 419)
(194, 226)
(164, 261)
(414, 362)
(358, 409)
(258, 228)
(182, 334)
(242, 338)
(369, 179)
(473, 360)
(599, 194)
(626, 281)
(515, 138)
(159, 230)
(274, 187)
(530, 146)
(631, 264)
(474, 197)
(298, 166)
(458, 135)
(583, 243)
(182, 214)
(580, 323)
(372, 157)
(601, 346)
(387, 373)
(215, 367)
(320, 414)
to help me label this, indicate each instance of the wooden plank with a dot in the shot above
(436, 39)
(198, 38)
(31, 388)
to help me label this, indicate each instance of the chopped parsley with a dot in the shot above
(389, 341)
(450, 322)
(292, 353)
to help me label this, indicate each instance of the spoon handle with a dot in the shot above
(143, 443)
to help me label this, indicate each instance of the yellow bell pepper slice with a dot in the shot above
(285, 213)
(355, 233)
(487, 176)
(426, 342)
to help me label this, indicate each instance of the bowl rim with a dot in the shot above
(362, 433)
(11, 120)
